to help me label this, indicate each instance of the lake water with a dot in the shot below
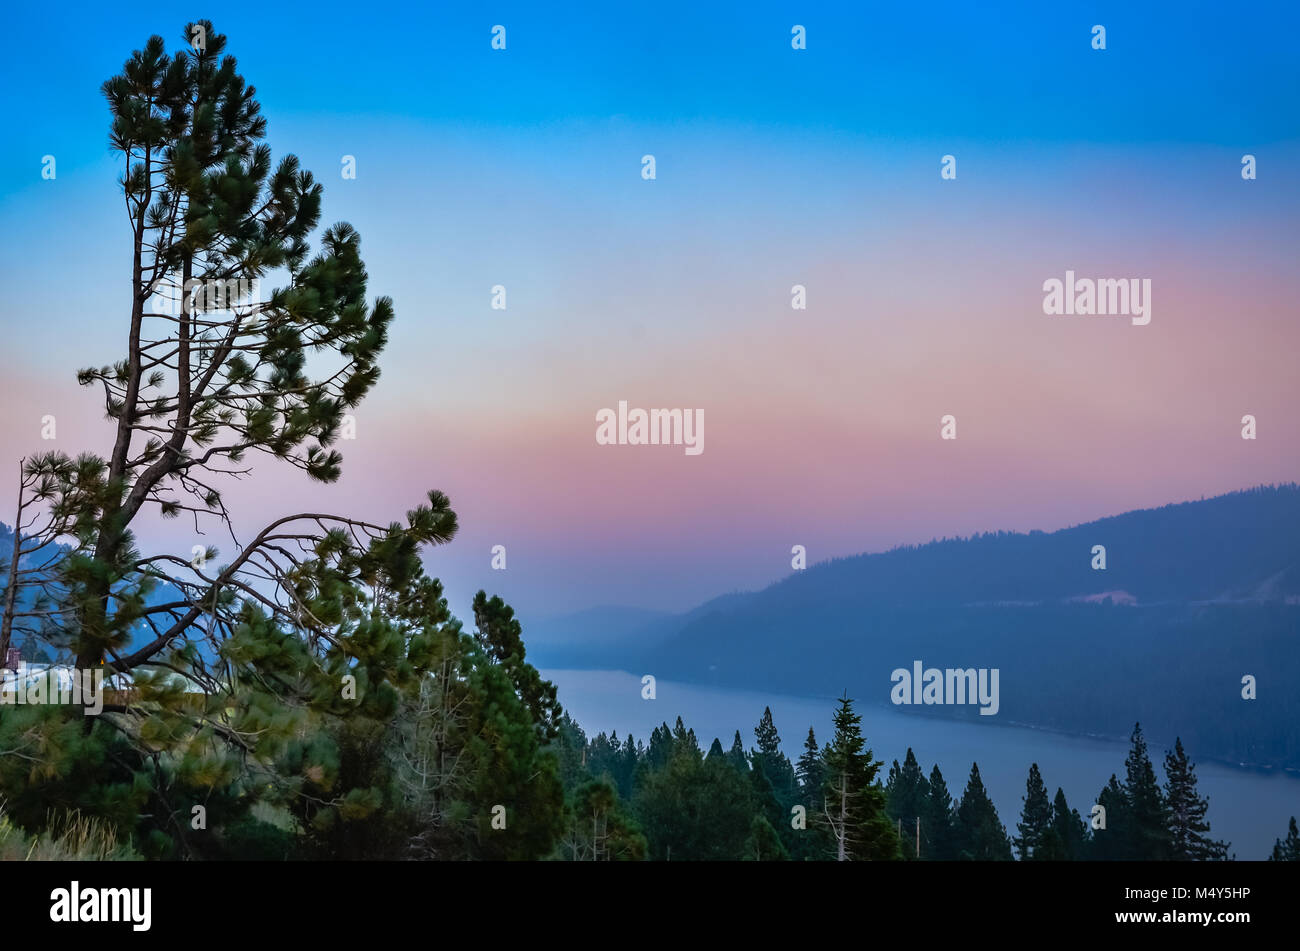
(1247, 808)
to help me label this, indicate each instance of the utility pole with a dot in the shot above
(918, 837)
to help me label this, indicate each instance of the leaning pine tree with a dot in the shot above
(277, 673)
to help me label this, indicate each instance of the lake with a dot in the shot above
(1248, 808)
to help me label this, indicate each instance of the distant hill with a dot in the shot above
(585, 638)
(1194, 596)
(162, 594)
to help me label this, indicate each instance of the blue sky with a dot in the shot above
(522, 167)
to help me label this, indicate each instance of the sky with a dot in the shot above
(819, 167)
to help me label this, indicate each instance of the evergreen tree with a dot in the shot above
(1148, 810)
(981, 835)
(660, 750)
(695, 810)
(684, 740)
(1288, 849)
(769, 741)
(765, 799)
(811, 774)
(811, 843)
(1188, 829)
(907, 793)
(624, 767)
(854, 800)
(1035, 818)
(1069, 829)
(1113, 842)
(603, 754)
(502, 638)
(598, 829)
(764, 844)
(570, 750)
(938, 829)
(780, 772)
(312, 689)
(736, 755)
(715, 750)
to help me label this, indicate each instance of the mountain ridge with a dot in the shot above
(1210, 594)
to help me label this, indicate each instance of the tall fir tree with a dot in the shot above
(811, 774)
(938, 828)
(769, 741)
(981, 835)
(764, 844)
(906, 792)
(1035, 819)
(736, 756)
(811, 843)
(1189, 839)
(780, 772)
(1148, 810)
(854, 801)
(1112, 839)
(1068, 828)
(684, 740)
(766, 802)
(660, 750)
(1288, 849)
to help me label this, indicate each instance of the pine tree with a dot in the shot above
(938, 829)
(660, 750)
(629, 760)
(1148, 810)
(316, 671)
(854, 801)
(907, 792)
(1035, 817)
(980, 833)
(684, 740)
(779, 770)
(1188, 829)
(715, 750)
(570, 750)
(1068, 828)
(1114, 841)
(811, 774)
(239, 666)
(1288, 849)
(765, 799)
(598, 828)
(764, 844)
(736, 755)
(695, 809)
(769, 741)
(502, 638)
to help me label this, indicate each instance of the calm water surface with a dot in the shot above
(1249, 809)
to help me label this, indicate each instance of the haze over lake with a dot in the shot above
(1248, 808)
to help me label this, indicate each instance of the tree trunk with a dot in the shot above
(11, 589)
